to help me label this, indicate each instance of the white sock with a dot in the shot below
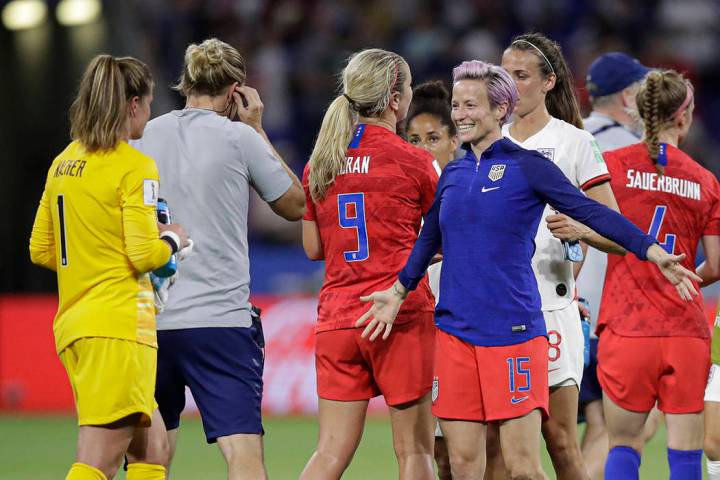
(713, 470)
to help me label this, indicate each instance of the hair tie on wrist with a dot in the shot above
(173, 239)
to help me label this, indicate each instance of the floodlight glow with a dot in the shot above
(72, 13)
(24, 14)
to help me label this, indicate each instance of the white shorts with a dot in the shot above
(712, 391)
(566, 346)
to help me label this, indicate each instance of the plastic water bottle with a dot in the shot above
(573, 251)
(163, 216)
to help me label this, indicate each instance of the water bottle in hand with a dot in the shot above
(163, 216)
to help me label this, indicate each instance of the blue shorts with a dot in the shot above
(223, 368)
(590, 389)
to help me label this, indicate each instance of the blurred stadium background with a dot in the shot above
(294, 50)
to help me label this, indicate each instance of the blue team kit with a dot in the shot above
(485, 216)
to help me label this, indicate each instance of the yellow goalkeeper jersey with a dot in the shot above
(96, 227)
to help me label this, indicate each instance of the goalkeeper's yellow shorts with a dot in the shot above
(111, 378)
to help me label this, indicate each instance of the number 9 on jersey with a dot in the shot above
(351, 214)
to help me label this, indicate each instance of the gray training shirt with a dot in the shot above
(207, 164)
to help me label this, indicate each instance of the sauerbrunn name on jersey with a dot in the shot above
(653, 182)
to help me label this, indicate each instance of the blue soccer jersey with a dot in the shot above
(485, 216)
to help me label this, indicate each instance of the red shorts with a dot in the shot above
(489, 383)
(635, 372)
(351, 368)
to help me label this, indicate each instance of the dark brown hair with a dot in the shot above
(434, 99)
(560, 101)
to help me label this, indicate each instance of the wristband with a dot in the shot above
(172, 239)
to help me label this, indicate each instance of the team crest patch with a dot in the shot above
(496, 172)
(598, 153)
(548, 153)
(435, 389)
(150, 192)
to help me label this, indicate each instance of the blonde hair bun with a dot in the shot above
(210, 67)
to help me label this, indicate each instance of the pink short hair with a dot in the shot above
(500, 86)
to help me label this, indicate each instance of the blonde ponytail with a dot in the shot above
(368, 82)
(658, 100)
(328, 155)
(651, 119)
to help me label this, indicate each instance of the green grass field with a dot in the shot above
(42, 448)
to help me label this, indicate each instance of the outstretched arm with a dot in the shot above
(565, 228)
(551, 186)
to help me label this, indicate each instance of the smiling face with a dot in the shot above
(427, 131)
(523, 66)
(474, 118)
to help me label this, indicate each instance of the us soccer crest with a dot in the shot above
(548, 153)
(496, 172)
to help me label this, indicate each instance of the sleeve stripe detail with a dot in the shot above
(594, 182)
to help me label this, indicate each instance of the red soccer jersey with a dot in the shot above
(677, 209)
(369, 221)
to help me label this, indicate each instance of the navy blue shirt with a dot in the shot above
(485, 216)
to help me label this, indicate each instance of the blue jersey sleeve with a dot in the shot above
(426, 246)
(552, 187)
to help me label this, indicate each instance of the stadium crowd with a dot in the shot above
(487, 177)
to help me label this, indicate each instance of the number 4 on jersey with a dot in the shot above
(656, 225)
(351, 214)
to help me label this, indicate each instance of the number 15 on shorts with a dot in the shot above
(518, 376)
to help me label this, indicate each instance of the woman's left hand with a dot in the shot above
(671, 267)
(384, 309)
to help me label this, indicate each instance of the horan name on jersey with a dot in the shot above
(356, 165)
(653, 182)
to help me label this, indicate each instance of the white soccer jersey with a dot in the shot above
(576, 153)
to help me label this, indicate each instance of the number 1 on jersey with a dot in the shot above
(63, 238)
(351, 214)
(656, 225)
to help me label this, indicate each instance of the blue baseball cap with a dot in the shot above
(612, 72)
